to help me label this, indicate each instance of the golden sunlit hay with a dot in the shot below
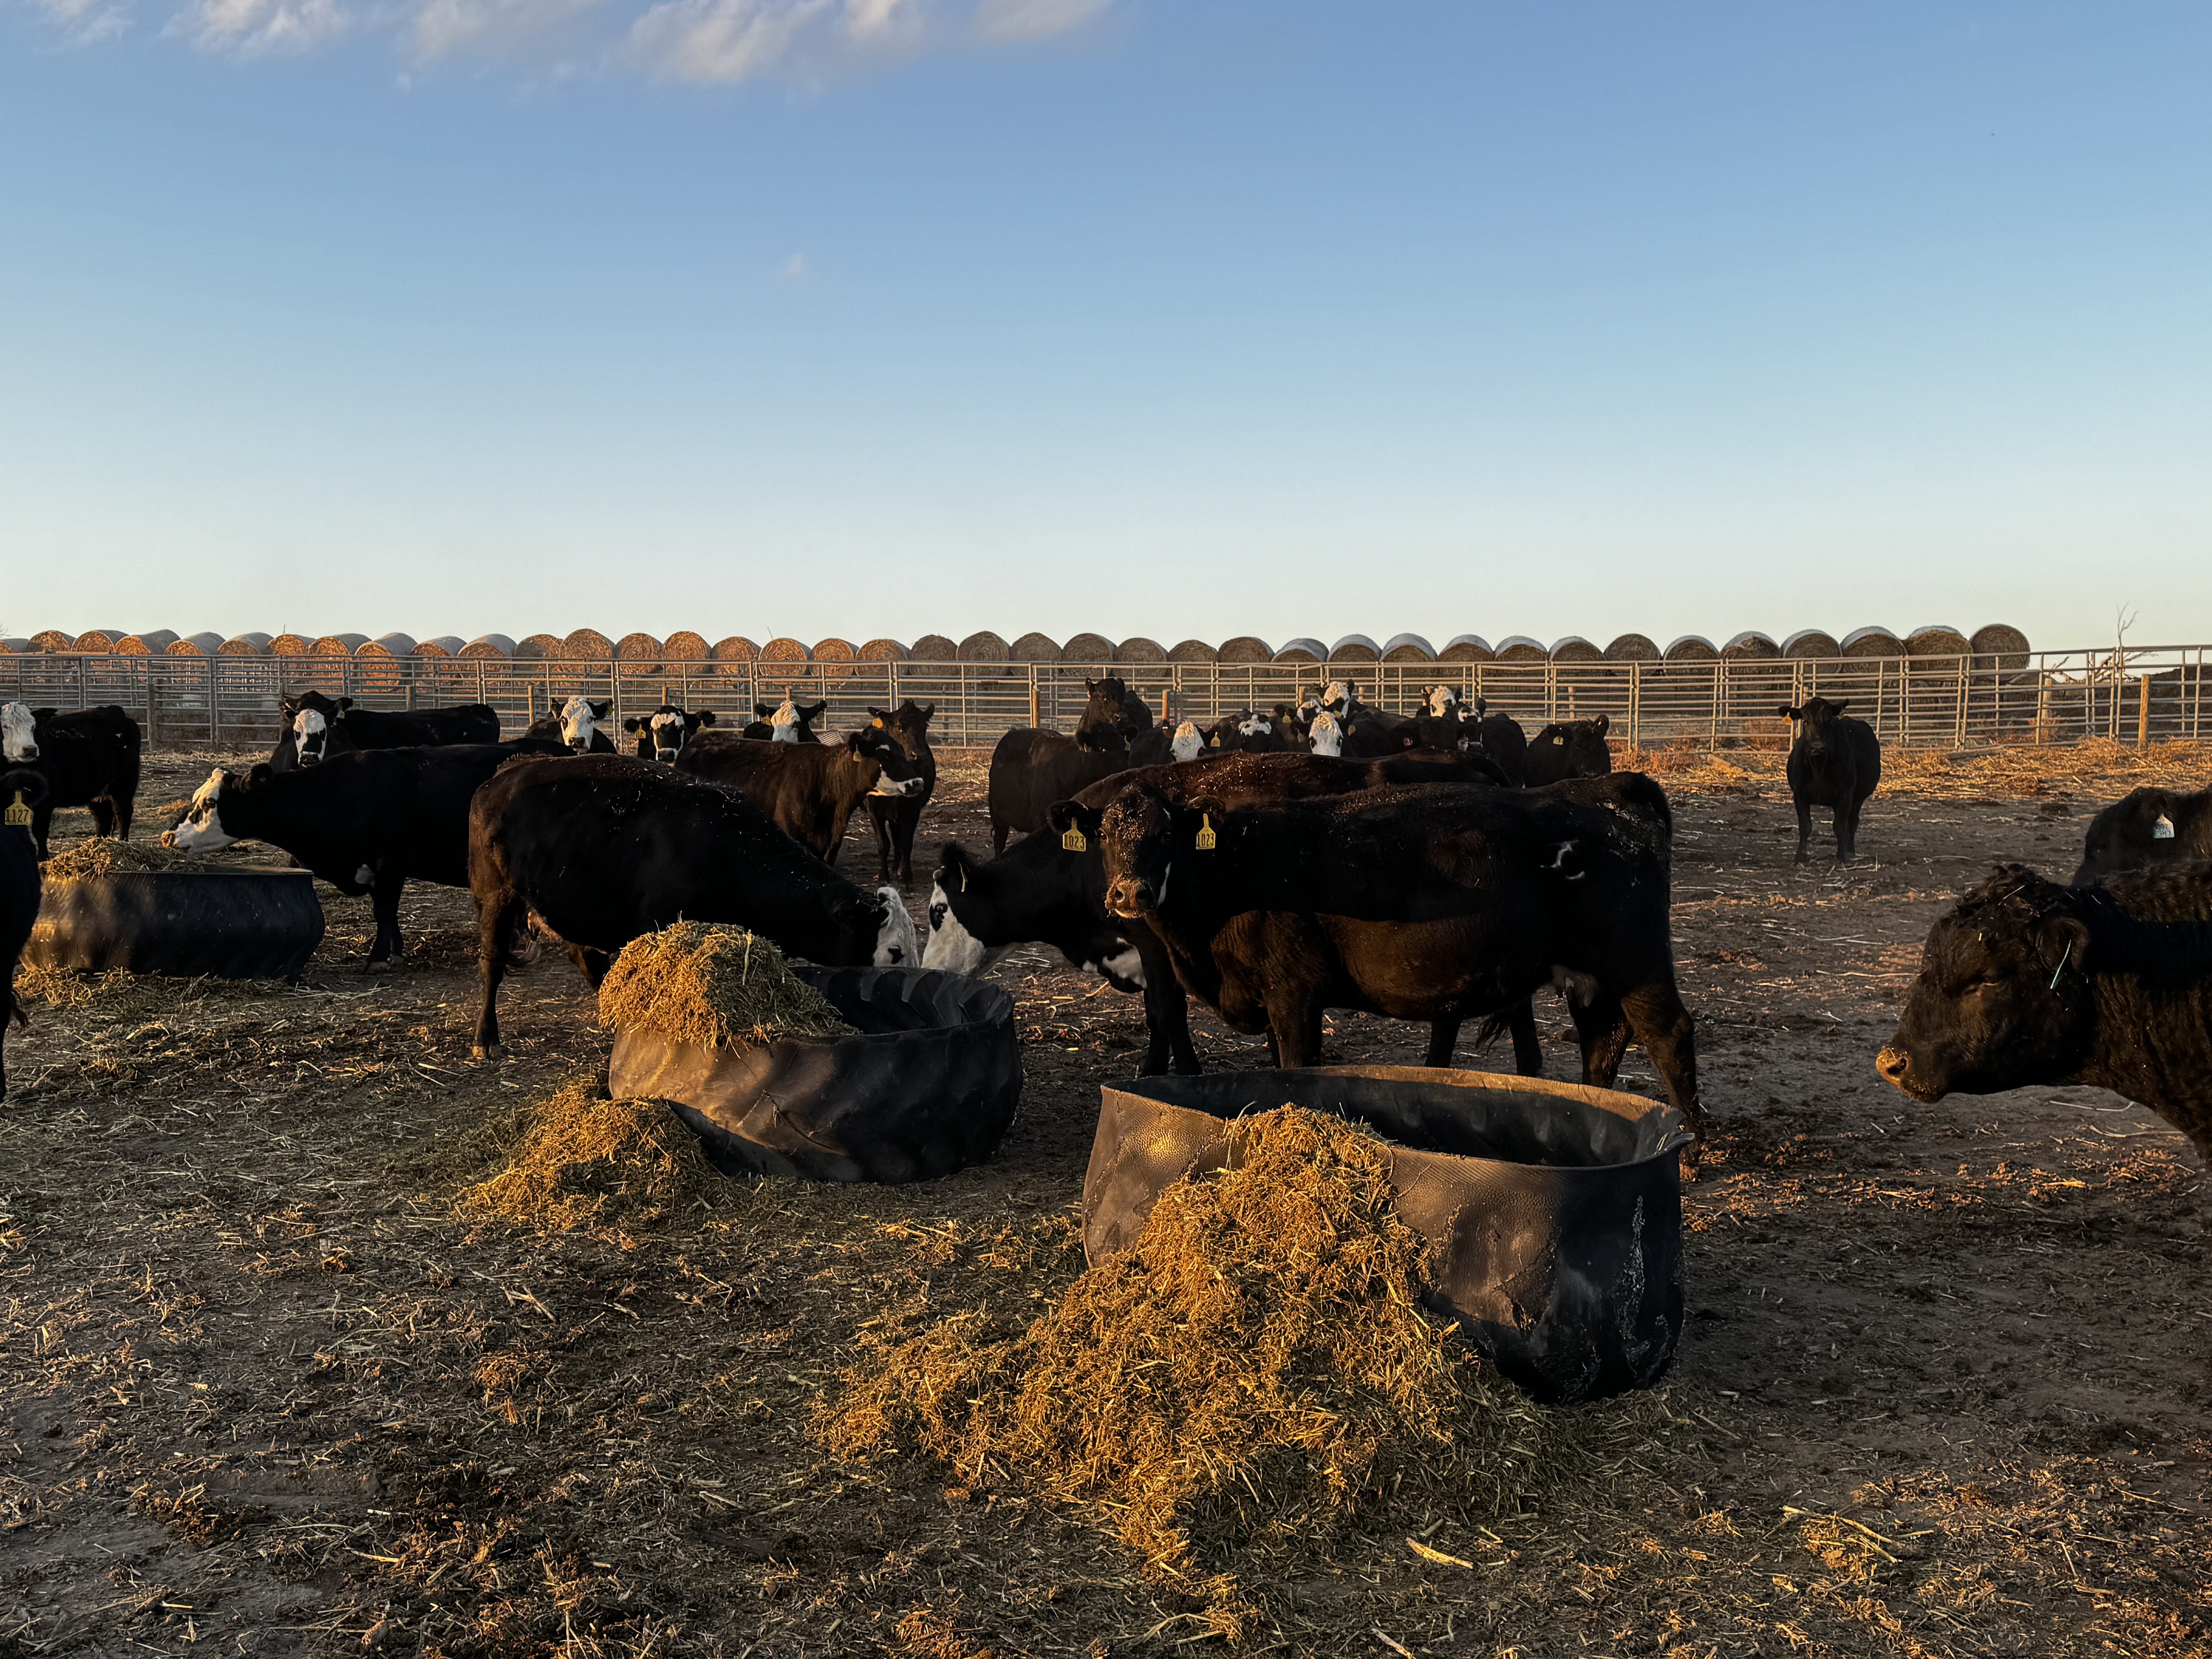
(2095, 766)
(1248, 1376)
(581, 1160)
(714, 986)
(104, 855)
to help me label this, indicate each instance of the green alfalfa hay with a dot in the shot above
(1253, 1373)
(715, 986)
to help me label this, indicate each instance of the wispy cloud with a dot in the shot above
(1033, 20)
(84, 23)
(253, 27)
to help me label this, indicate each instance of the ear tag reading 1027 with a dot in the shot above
(1073, 839)
(1206, 841)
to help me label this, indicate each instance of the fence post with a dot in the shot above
(2142, 714)
(215, 716)
(1034, 719)
(1959, 736)
(1635, 704)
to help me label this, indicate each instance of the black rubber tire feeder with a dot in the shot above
(1553, 1212)
(929, 1086)
(232, 924)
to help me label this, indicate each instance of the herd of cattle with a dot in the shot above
(1435, 865)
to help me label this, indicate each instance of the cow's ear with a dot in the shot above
(1787, 712)
(634, 723)
(259, 776)
(344, 704)
(1839, 705)
(928, 709)
(814, 711)
(704, 717)
(765, 711)
(1601, 725)
(602, 709)
(2065, 941)
(1066, 815)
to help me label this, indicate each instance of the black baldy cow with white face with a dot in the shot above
(580, 724)
(2025, 982)
(662, 734)
(312, 717)
(788, 721)
(19, 741)
(1835, 763)
(1441, 703)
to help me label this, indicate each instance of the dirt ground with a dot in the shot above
(1943, 1390)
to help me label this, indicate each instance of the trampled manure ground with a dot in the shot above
(266, 1384)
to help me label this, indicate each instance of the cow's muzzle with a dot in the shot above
(1896, 1068)
(1130, 897)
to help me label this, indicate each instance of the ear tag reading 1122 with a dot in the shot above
(1206, 841)
(1073, 839)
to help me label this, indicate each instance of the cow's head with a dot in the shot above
(2134, 833)
(908, 728)
(1816, 724)
(1326, 733)
(19, 743)
(1444, 701)
(2003, 998)
(201, 830)
(951, 946)
(1143, 838)
(1113, 703)
(1338, 696)
(898, 773)
(665, 731)
(789, 721)
(1188, 744)
(1583, 744)
(312, 717)
(580, 721)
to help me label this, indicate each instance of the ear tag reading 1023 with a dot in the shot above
(1073, 839)
(1206, 841)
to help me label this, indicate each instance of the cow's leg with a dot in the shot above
(1168, 1047)
(103, 815)
(1527, 1046)
(1662, 1026)
(1443, 1037)
(1604, 1037)
(878, 817)
(1804, 826)
(1847, 831)
(383, 905)
(498, 918)
(42, 819)
(906, 819)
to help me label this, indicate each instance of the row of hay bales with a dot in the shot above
(2003, 645)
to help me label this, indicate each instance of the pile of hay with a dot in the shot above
(104, 855)
(1249, 1376)
(582, 1160)
(714, 986)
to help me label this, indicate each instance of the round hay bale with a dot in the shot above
(386, 647)
(291, 645)
(1994, 645)
(735, 652)
(338, 645)
(1408, 648)
(882, 651)
(12, 646)
(1245, 648)
(587, 644)
(1191, 651)
(489, 647)
(1575, 649)
(102, 639)
(1034, 647)
(539, 647)
(1750, 646)
(1088, 648)
(837, 658)
(247, 645)
(196, 645)
(784, 649)
(1812, 644)
(445, 647)
(54, 640)
(1692, 647)
(1303, 650)
(984, 646)
(637, 648)
(1632, 648)
(684, 645)
(1139, 649)
(154, 642)
(1936, 641)
(1873, 643)
(1519, 647)
(1355, 648)
(1467, 648)
(935, 648)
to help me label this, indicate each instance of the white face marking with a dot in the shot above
(1337, 695)
(952, 948)
(1256, 725)
(1160, 896)
(309, 732)
(1328, 736)
(578, 722)
(1126, 970)
(16, 742)
(1442, 699)
(783, 725)
(201, 831)
(2163, 829)
(668, 734)
(895, 945)
(364, 876)
(1187, 744)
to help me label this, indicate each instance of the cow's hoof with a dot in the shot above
(381, 965)
(487, 1051)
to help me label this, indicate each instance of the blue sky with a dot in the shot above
(866, 317)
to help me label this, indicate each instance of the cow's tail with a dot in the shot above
(1493, 1027)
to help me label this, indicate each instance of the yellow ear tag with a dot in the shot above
(1074, 839)
(18, 814)
(1205, 840)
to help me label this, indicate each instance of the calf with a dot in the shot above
(88, 757)
(1431, 902)
(1835, 763)
(2024, 981)
(810, 790)
(2148, 829)
(317, 728)
(895, 804)
(576, 726)
(1568, 748)
(1031, 767)
(606, 848)
(367, 822)
(786, 722)
(18, 896)
(662, 734)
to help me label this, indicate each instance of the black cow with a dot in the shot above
(896, 810)
(1836, 763)
(1113, 710)
(2024, 981)
(368, 822)
(1431, 902)
(811, 789)
(1031, 767)
(88, 757)
(317, 728)
(1499, 738)
(19, 897)
(1568, 748)
(2148, 829)
(1039, 889)
(1247, 733)
(662, 734)
(606, 848)
(576, 726)
(786, 722)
